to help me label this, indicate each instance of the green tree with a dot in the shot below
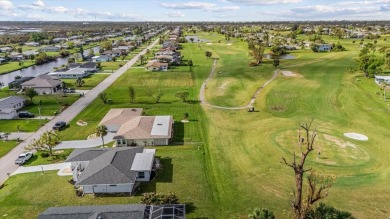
(142, 59)
(323, 211)
(261, 214)
(91, 53)
(103, 97)
(70, 44)
(155, 95)
(183, 95)
(81, 50)
(131, 94)
(79, 82)
(106, 45)
(257, 48)
(154, 198)
(208, 54)
(276, 63)
(47, 141)
(31, 93)
(190, 63)
(101, 131)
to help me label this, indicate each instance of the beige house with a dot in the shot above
(156, 66)
(132, 129)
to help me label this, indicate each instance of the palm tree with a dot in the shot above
(101, 131)
(261, 214)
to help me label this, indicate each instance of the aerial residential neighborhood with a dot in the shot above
(201, 109)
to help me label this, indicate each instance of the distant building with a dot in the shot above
(156, 66)
(32, 44)
(102, 58)
(50, 49)
(5, 49)
(382, 79)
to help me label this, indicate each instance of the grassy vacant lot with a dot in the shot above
(90, 82)
(112, 65)
(51, 103)
(13, 66)
(25, 125)
(26, 195)
(167, 82)
(6, 146)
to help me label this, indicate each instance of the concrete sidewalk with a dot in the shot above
(85, 143)
(16, 135)
(48, 167)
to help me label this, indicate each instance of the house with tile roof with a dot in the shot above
(131, 128)
(10, 105)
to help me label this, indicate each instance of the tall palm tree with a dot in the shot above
(101, 131)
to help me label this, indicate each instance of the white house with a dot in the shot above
(5, 49)
(71, 73)
(10, 105)
(379, 79)
(111, 170)
(32, 44)
(324, 47)
(43, 84)
(132, 129)
(102, 58)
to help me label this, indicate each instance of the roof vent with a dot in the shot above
(159, 124)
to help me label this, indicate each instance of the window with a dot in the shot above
(119, 141)
(141, 175)
(123, 141)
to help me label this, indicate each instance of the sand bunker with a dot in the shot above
(209, 43)
(81, 123)
(229, 44)
(356, 136)
(185, 121)
(288, 73)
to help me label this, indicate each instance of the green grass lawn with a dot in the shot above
(90, 82)
(26, 195)
(13, 66)
(50, 103)
(58, 157)
(25, 125)
(6, 146)
(111, 65)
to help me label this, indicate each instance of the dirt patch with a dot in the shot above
(288, 73)
(58, 152)
(209, 43)
(184, 121)
(278, 108)
(229, 44)
(223, 86)
(356, 136)
(339, 142)
(91, 136)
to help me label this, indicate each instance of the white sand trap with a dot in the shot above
(209, 43)
(288, 73)
(81, 123)
(185, 121)
(356, 136)
(229, 44)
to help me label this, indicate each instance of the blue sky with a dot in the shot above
(202, 10)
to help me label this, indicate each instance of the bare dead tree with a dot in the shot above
(317, 185)
(306, 146)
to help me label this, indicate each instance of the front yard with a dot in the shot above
(6, 146)
(13, 66)
(26, 195)
(89, 82)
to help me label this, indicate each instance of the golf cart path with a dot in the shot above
(204, 102)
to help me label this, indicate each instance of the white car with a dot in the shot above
(23, 158)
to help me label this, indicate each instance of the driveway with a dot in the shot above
(91, 143)
(7, 162)
(42, 168)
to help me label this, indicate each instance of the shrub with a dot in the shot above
(45, 154)
(153, 198)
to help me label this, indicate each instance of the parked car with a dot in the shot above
(59, 125)
(23, 158)
(69, 90)
(25, 114)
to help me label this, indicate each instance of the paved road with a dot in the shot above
(7, 164)
(91, 143)
(40, 168)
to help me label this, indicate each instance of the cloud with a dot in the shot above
(175, 14)
(223, 9)
(264, 2)
(39, 3)
(6, 5)
(188, 5)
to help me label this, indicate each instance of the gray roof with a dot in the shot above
(134, 211)
(106, 166)
(9, 102)
(143, 162)
(42, 81)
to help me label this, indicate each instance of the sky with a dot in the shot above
(202, 10)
